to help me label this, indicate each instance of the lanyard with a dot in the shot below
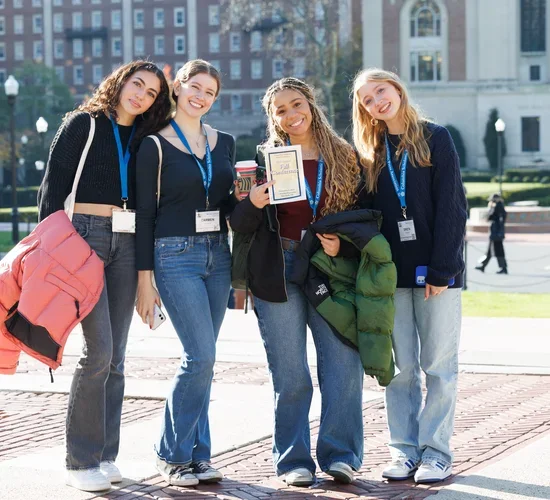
(400, 189)
(123, 159)
(206, 176)
(314, 203)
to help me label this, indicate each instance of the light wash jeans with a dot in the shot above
(426, 336)
(97, 390)
(340, 373)
(193, 275)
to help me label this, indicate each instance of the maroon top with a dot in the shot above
(293, 217)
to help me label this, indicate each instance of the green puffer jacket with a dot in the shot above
(354, 293)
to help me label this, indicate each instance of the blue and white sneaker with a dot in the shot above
(400, 469)
(433, 471)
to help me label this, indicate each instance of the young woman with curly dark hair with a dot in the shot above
(130, 103)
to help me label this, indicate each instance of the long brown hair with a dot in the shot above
(368, 137)
(196, 67)
(342, 170)
(107, 97)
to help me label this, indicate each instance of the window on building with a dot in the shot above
(179, 17)
(278, 68)
(2, 76)
(97, 19)
(299, 67)
(19, 51)
(214, 42)
(426, 66)
(159, 45)
(97, 73)
(214, 15)
(59, 49)
(78, 48)
(2, 4)
(234, 41)
(256, 40)
(37, 23)
(60, 73)
(96, 1)
(18, 26)
(530, 133)
(2, 51)
(78, 75)
(159, 18)
(425, 19)
(97, 47)
(38, 50)
(116, 20)
(179, 44)
(57, 22)
(77, 20)
(534, 73)
(256, 12)
(278, 38)
(139, 46)
(37, 3)
(257, 103)
(213, 62)
(319, 11)
(77, 2)
(2, 25)
(299, 40)
(256, 69)
(17, 4)
(235, 69)
(58, 3)
(236, 103)
(138, 19)
(533, 25)
(276, 12)
(116, 46)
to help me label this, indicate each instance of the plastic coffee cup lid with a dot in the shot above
(246, 164)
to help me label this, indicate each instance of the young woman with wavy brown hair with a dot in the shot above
(412, 171)
(130, 103)
(283, 310)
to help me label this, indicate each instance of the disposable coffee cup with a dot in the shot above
(246, 174)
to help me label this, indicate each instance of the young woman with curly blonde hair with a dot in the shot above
(284, 313)
(412, 171)
(130, 103)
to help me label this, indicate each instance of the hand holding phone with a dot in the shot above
(158, 317)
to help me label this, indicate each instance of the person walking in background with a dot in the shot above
(497, 217)
(130, 103)
(412, 169)
(183, 236)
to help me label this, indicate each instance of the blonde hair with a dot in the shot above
(342, 172)
(369, 138)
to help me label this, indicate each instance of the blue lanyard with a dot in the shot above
(123, 159)
(400, 189)
(206, 176)
(314, 203)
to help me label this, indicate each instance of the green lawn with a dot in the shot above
(506, 305)
(488, 188)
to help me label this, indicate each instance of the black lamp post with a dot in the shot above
(41, 128)
(499, 127)
(11, 86)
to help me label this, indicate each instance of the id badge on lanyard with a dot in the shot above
(206, 220)
(407, 231)
(123, 220)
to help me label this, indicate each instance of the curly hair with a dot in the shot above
(369, 138)
(106, 98)
(342, 169)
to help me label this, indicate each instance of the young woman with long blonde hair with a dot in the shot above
(412, 171)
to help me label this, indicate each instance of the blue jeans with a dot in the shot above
(340, 373)
(426, 336)
(97, 390)
(193, 276)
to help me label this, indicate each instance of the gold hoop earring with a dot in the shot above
(374, 122)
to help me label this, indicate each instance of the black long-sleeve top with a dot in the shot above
(437, 203)
(100, 180)
(181, 192)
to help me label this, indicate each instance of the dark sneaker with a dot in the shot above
(176, 475)
(205, 473)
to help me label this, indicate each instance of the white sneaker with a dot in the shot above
(400, 469)
(205, 473)
(176, 475)
(299, 477)
(111, 471)
(433, 471)
(88, 479)
(341, 472)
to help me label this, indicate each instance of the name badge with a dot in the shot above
(207, 221)
(124, 221)
(406, 230)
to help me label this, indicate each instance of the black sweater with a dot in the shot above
(182, 192)
(437, 204)
(100, 180)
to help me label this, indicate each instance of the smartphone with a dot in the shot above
(422, 272)
(159, 317)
